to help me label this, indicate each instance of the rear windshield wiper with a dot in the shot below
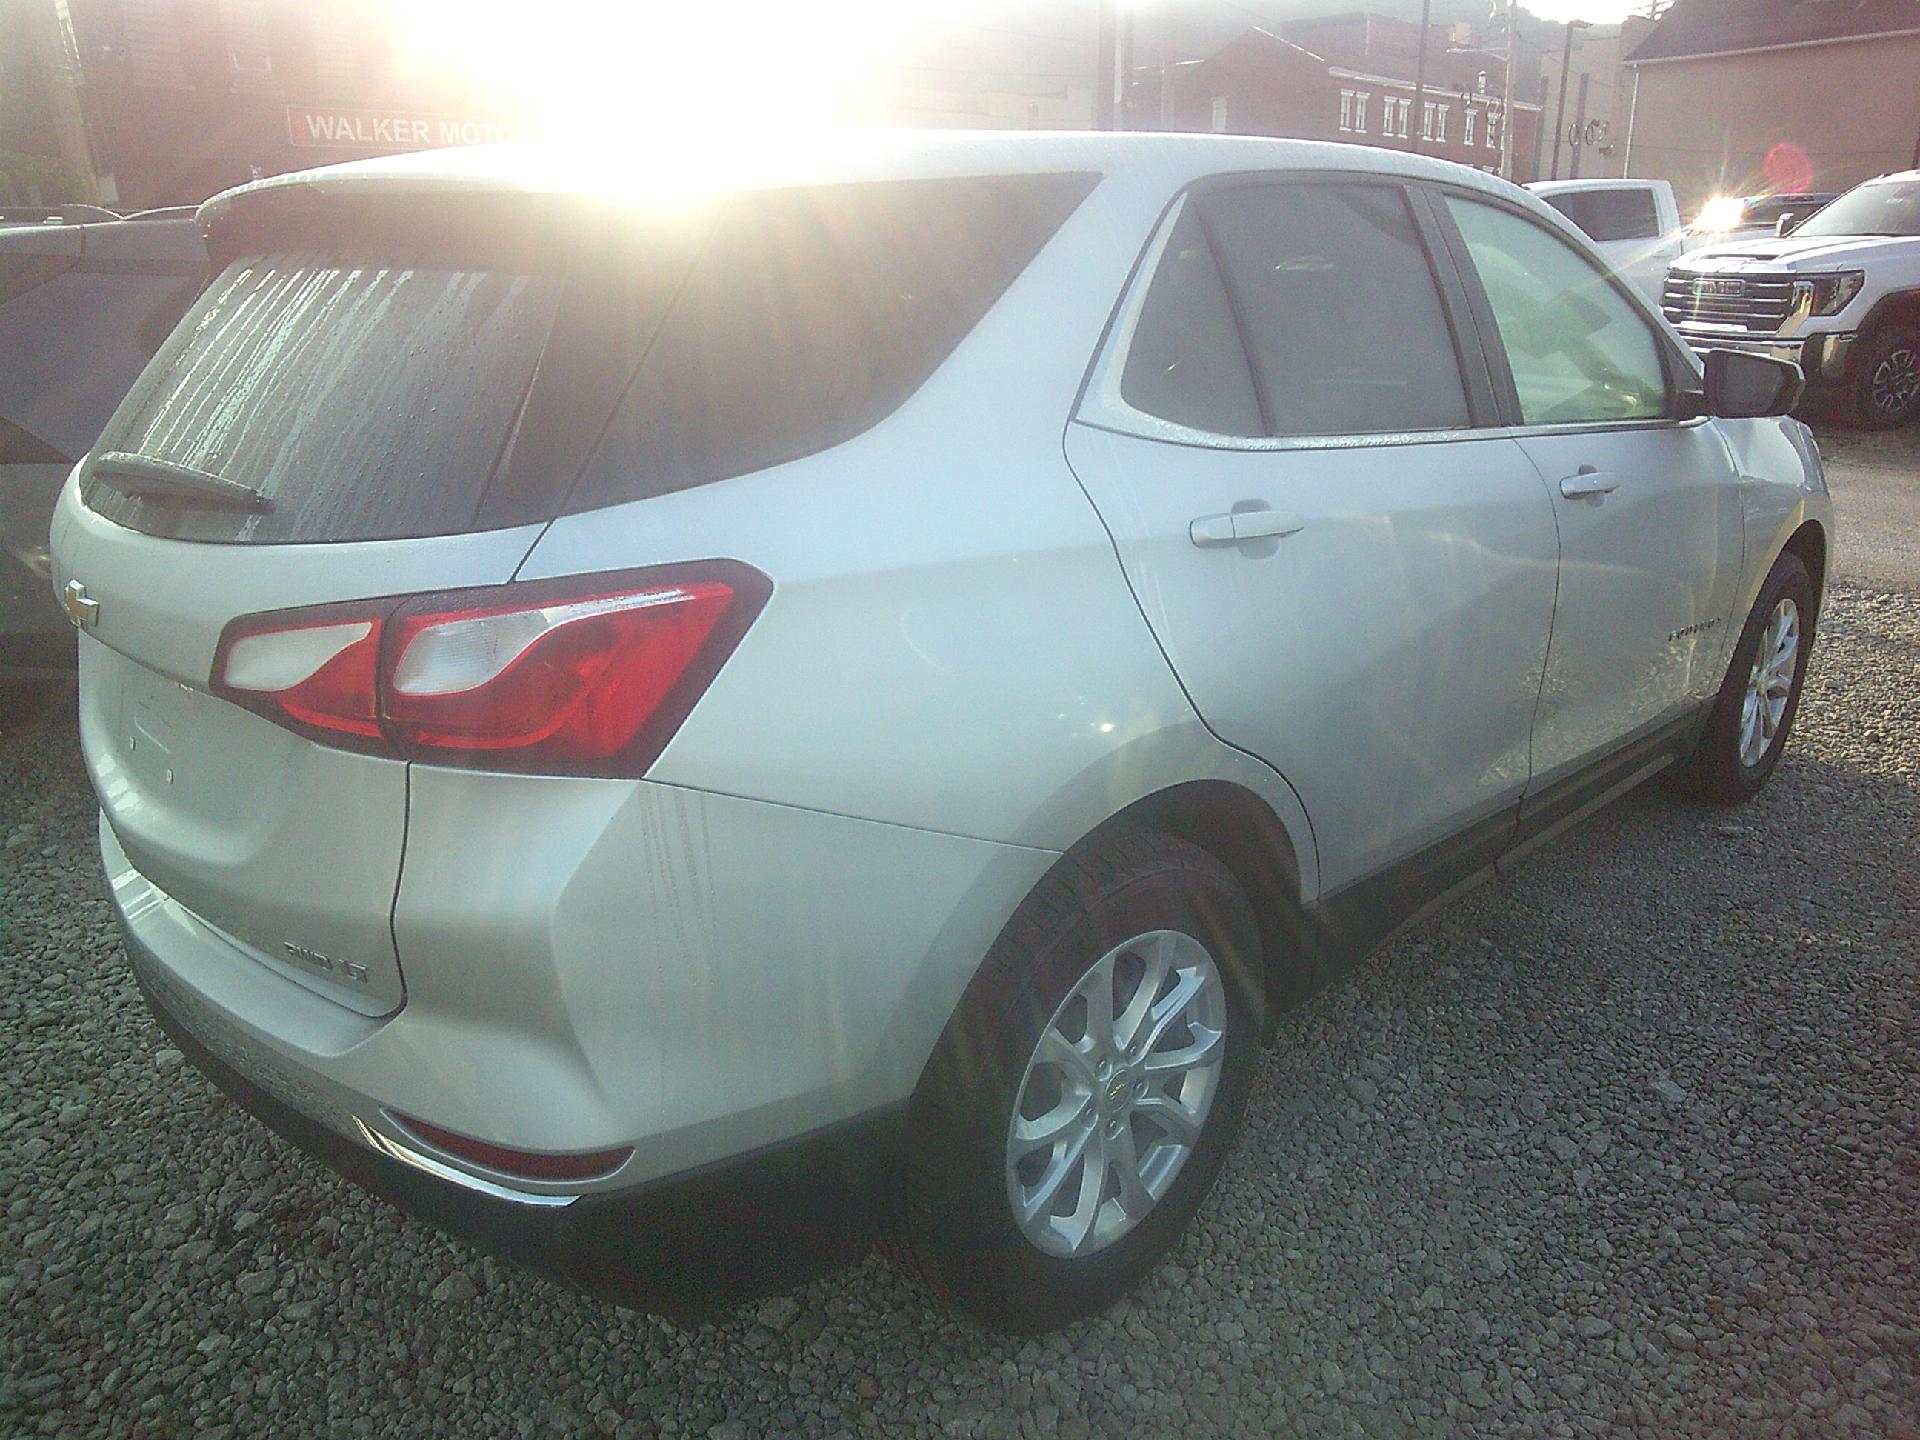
(175, 484)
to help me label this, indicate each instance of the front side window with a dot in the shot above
(1346, 110)
(1339, 307)
(1360, 99)
(1579, 352)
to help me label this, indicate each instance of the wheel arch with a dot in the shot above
(1242, 831)
(1809, 542)
(1899, 307)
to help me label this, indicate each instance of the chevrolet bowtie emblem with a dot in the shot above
(80, 610)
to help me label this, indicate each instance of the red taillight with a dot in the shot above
(590, 675)
(525, 1164)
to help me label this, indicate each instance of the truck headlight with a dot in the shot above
(1829, 294)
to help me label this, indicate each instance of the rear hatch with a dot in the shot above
(408, 382)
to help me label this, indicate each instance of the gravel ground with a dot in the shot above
(1626, 1142)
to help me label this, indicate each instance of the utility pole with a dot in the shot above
(1560, 115)
(1124, 72)
(1506, 103)
(1169, 57)
(1104, 46)
(1420, 80)
(1577, 140)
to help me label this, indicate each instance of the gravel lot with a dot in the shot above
(1626, 1142)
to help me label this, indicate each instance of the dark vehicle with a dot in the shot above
(86, 297)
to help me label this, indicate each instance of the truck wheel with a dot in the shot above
(1885, 388)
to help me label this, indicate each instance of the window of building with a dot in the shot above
(1472, 114)
(154, 52)
(249, 51)
(1480, 83)
(1493, 129)
(1219, 115)
(1406, 112)
(1339, 308)
(1360, 98)
(1346, 110)
(1578, 351)
(1440, 123)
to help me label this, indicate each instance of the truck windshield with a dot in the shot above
(1886, 208)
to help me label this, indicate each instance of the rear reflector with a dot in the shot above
(523, 1164)
(589, 675)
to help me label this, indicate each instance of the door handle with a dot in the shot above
(1214, 530)
(1588, 482)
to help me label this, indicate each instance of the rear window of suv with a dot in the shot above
(372, 393)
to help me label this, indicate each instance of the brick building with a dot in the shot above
(183, 98)
(1352, 77)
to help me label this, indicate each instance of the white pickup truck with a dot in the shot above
(1634, 224)
(1839, 293)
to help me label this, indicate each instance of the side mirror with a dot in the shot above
(1741, 386)
(1786, 224)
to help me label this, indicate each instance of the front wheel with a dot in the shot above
(1761, 693)
(1885, 388)
(1087, 1090)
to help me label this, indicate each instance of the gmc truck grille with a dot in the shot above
(1727, 304)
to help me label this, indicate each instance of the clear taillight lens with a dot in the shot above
(590, 675)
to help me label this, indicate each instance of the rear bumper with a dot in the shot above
(684, 1246)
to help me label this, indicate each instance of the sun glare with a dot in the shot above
(690, 76)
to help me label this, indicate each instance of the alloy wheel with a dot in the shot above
(1896, 383)
(1116, 1093)
(1770, 683)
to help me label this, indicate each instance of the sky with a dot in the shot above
(654, 62)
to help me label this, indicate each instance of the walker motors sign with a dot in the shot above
(327, 128)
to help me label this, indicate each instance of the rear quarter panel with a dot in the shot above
(951, 643)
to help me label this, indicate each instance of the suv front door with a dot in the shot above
(1352, 582)
(1647, 503)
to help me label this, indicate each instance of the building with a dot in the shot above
(1740, 96)
(183, 98)
(1586, 136)
(1356, 78)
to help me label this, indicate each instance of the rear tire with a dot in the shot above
(1753, 714)
(1142, 918)
(1884, 390)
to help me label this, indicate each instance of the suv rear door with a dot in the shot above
(411, 384)
(1351, 580)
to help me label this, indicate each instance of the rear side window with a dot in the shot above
(1185, 362)
(1340, 309)
(366, 397)
(71, 343)
(812, 314)
(1626, 214)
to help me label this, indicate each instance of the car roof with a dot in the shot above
(672, 174)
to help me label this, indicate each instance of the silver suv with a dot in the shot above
(671, 734)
